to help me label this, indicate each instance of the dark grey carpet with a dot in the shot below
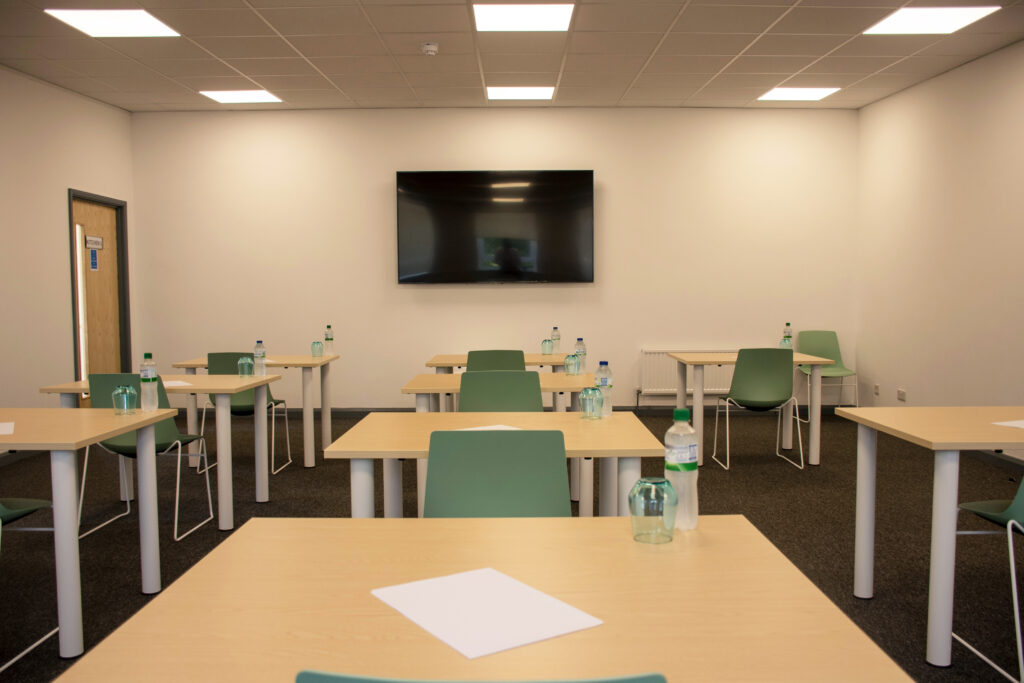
(808, 515)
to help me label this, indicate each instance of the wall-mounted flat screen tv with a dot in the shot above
(495, 226)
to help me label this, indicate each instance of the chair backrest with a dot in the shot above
(823, 343)
(500, 391)
(226, 363)
(16, 508)
(497, 473)
(323, 677)
(763, 378)
(495, 360)
(101, 388)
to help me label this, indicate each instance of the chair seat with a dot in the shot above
(996, 511)
(830, 370)
(125, 444)
(761, 406)
(16, 508)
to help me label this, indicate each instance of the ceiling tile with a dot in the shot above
(176, 68)
(307, 3)
(830, 20)
(515, 80)
(884, 46)
(849, 65)
(190, 4)
(440, 63)
(686, 64)
(214, 22)
(969, 45)
(144, 83)
(15, 21)
(411, 43)
(42, 68)
(705, 44)
(624, 17)
(273, 67)
(444, 80)
(728, 19)
(613, 42)
(522, 62)
(924, 66)
(596, 79)
(894, 81)
(731, 94)
(676, 81)
(370, 80)
(241, 48)
(820, 81)
(419, 19)
(763, 82)
(82, 85)
(767, 65)
(156, 48)
(509, 42)
(381, 96)
(352, 65)
(655, 96)
(98, 68)
(604, 63)
(1006, 20)
(55, 48)
(794, 45)
(355, 45)
(273, 83)
(454, 96)
(216, 82)
(587, 96)
(308, 21)
(317, 98)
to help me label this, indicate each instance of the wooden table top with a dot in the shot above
(273, 361)
(67, 429)
(407, 435)
(729, 358)
(428, 383)
(197, 384)
(944, 428)
(720, 603)
(458, 360)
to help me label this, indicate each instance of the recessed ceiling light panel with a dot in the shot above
(798, 94)
(929, 20)
(507, 93)
(114, 23)
(239, 96)
(522, 17)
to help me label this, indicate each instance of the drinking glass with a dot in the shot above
(572, 364)
(245, 366)
(547, 347)
(591, 403)
(317, 349)
(125, 399)
(652, 505)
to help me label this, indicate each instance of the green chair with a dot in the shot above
(226, 363)
(495, 360)
(167, 437)
(761, 381)
(825, 343)
(496, 473)
(1010, 515)
(323, 677)
(500, 391)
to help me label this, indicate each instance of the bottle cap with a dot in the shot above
(147, 355)
(579, 338)
(680, 414)
(787, 323)
(556, 327)
(259, 341)
(604, 362)
(328, 327)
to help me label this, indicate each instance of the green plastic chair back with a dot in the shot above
(101, 386)
(16, 508)
(825, 344)
(500, 391)
(495, 360)
(499, 473)
(226, 363)
(763, 378)
(323, 677)
(999, 511)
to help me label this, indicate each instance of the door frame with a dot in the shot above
(124, 313)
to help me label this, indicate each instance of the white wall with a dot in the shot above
(50, 140)
(941, 238)
(713, 228)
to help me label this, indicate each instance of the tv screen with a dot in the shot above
(495, 226)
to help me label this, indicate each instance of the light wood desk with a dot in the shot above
(307, 363)
(946, 431)
(407, 435)
(445, 363)
(720, 603)
(222, 386)
(62, 432)
(698, 359)
(425, 386)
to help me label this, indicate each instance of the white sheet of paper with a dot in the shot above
(1019, 424)
(6, 428)
(176, 383)
(488, 428)
(483, 611)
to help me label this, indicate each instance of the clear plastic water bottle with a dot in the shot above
(556, 339)
(603, 381)
(328, 340)
(147, 382)
(581, 351)
(681, 467)
(259, 359)
(787, 337)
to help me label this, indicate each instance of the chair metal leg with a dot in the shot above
(28, 649)
(273, 439)
(81, 498)
(205, 469)
(714, 448)
(799, 435)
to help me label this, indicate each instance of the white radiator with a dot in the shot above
(658, 374)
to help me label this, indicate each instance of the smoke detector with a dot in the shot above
(429, 49)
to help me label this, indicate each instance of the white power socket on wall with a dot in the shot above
(877, 390)
(901, 395)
